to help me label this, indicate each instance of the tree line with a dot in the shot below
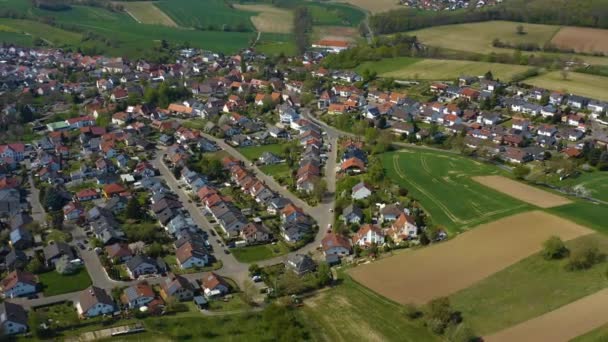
(588, 13)
(302, 27)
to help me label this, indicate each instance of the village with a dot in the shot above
(214, 178)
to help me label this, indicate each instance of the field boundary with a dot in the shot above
(523, 192)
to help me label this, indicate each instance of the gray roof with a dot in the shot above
(58, 249)
(13, 313)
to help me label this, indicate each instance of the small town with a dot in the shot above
(218, 183)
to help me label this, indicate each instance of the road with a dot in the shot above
(33, 198)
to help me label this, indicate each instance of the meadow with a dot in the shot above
(586, 213)
(269, 18)
(276, 43)
(465, 260)
(376, 6)
(442, 183)
(594, 184)
(581, 84)
(350, 312)
(203, 13)
(529, 288)
(254, 152)
(147, 13)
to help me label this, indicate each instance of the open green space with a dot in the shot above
(254, 152)
(20, 39)
(577, 83)
(586, 213)
(442, 183)
(387, 65)
(276, 44)
(47, 33)
(54, 283)
(233, 303)
(442, 69)
(529, 288)
(593, 184)
(351, 312)
(252, 254)
(216, 14)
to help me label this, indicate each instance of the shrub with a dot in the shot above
(411, 311)
(554, 248)
(584, 259)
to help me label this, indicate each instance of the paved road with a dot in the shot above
(33, 198)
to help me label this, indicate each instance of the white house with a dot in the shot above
(94, 302)
(188, 256)
(19, 283)
(361, 191)
(367, 235)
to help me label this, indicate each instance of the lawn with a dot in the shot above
(54, 283)
(251, 254)
(443, 185)
(147, 13)
(528, 289)
(234, 303)
(478, 37)
(61, 315)
(580, 84)
(444, 69)
(350, 312)
(203, 13)
(254, 152)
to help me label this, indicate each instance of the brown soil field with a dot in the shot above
(341, 33)
(523, 192)
(270, 18)
(147, 13)
(563, 324)
(442, 269)
(582, 39)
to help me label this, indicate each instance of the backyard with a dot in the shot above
(54, 283)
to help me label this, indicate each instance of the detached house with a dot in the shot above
(335, 244)
(94, 302)
(404, 228)
(19, 283)
(13, 319)
(367, 235)
(176, 287)
(214, 285)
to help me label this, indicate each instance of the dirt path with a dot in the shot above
(563, 324)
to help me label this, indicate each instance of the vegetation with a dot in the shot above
(302, 28)
(254, 152)
(580, 84)
(54, 283)
(251, 254)
(554, 248)
(209, 15)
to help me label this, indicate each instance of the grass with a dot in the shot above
(478, 37)
(234, 303)
(254, 152)
(276, 44)
(61, 315)
(528, 289)
(16, 38)
(580, 84)
(585, 213)
(269, 18)
(202, 13)
(595, 184)
(597, 335)
(55, 284)
(443, 69)
(251, 254)
(387, 65)
(350, 312)
(50, 34)
(443, 185)
(147, 13)
(57, 236)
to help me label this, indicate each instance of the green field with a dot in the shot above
(442, 69)
(586, 213)
(16, 38)
(54, 283)
(254, 152)
(205, 13)
(350, 312)
(31, 28)
(261, 252)
(443, 185)
(387, 65)
(276, 44)
(147, 13)
(528, 289)
(580, 84)
(594, 184)
(598, 335)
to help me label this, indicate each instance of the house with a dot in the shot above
(177, 287)
(191, 255)
(15, 259)
(352, 214)
(56, 250)
(73, 211)
(367, 235)
(404, 228)
(86, 195)
(137, 296)
(112, 190)
(353, 165)
(300, 264)
(10, 201)
(214, 285)
(21, 238)
(19, 283)
(390, 212)
(269, 158)
(336, 244)
(333, 46)
(118, 252)
(13, 319)
(142, 265)
(361, 191)
(93, 302)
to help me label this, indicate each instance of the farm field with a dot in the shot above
(375, 6)
(276, 44)
(499, 244)
(576, 83)
(594, 184)
(442, 183)
(478, 37)
(205, 13)
(254, 152)
(350, 312)
(443, 69)
(387, 65)
(17, 38)
(147, 13)
(529, 288)
(586, 213)
(269, 18)
(335, 33)
(50, 34)
(582, 39)
(522, 192)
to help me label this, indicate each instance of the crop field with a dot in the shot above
(523, 192)
(350, 312)
(442, 183)
(205, 13)
(592, 184)
(376, 6)
(276, 44)
(445, 268)
(580, 84)
(147, 13)
(335, 33)
(529, 288)
(443, 69)
(586, 213)
(582, 39)
(269, 18)
(478, 37)
(50, 34)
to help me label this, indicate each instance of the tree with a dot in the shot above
(254, 269)
(249, 291)
(564, 73)
(438, 314)
(324, 276)
(319, 190)
(35, 321)
(520, 30)
(155, 249)
(584, 258)
(35, 266)
(134, 210)
(412, 311)
(521, 171)
(53, 200)
(64, 266)
(554, 248)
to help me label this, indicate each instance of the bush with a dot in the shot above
(554, 248)
(584, 259)
(411, 311)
